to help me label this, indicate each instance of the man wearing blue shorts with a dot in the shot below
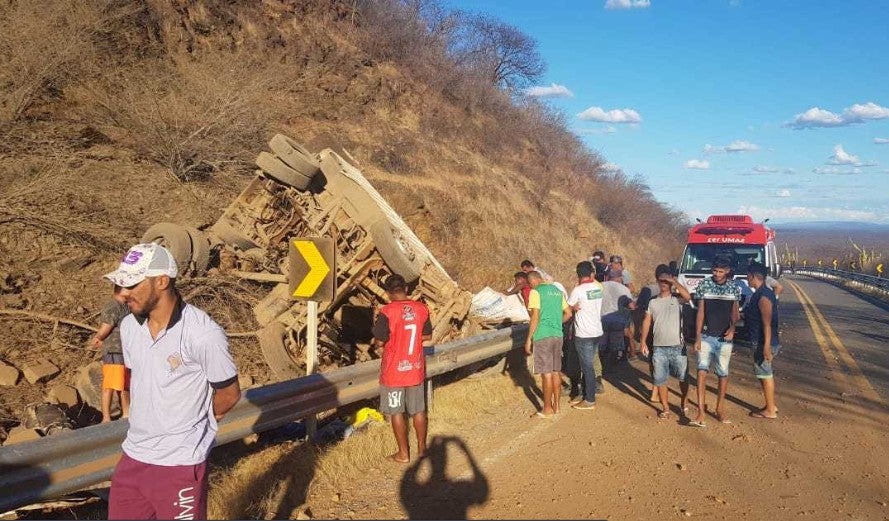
(717, 300)
(762, 320)
(664, 313)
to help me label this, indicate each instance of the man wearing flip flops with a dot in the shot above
(718, 300)
(762, 320)
(664, 313)
(549, 309)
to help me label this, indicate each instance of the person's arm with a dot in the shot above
(381, 331)
(532, 328)
(778, 289)
(683, 294)
(101, 335)
(699, 325)
(736, 316)
(646, 327)
(765, 310)
(225, 398)
(427, 330)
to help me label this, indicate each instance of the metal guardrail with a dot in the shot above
(857, 280)
(64, 463)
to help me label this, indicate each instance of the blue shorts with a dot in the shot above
(762, 368)
(714, 350)
(668, 361)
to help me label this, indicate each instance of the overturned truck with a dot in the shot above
(297, 193)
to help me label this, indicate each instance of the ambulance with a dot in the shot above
(737, 237)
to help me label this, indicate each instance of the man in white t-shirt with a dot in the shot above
(586, 300)
(183, 382)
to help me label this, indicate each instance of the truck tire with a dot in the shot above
(176, 239)
(274, 350)
(200, 251)
(396, 252)
(295, 155)
(277, 170)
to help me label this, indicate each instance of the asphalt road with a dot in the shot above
(824, 457)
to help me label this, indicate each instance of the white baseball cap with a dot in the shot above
(141, 261)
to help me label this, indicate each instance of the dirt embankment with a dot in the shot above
(152, 111)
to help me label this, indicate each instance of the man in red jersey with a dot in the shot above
(401, 327)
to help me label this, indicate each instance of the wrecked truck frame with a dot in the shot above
(297, 193)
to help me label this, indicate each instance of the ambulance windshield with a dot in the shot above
(698, 258)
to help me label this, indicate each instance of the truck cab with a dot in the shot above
(735, 236)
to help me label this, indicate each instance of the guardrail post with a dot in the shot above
(429, 395)
(311, 357)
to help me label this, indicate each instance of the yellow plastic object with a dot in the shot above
(365, 414)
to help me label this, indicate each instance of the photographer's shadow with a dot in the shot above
(428, 493)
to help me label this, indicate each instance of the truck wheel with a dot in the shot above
(176, 239)
(274, 350)
(294, 155)
(396, 251)
(277, 170)
(200, 250)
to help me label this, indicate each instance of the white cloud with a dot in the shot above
(837, 171)
(553, 91)
(697, 164)
(881, 140)
(733, 147)
(870, 110)
(808, 213)
(611, 116)
(783, 193)
(857, 113)
(627, 4)
(765, 169)
(611, 167)
(841, 157)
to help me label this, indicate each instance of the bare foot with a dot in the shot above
(722, 417)
(106, 420)
(398, 458)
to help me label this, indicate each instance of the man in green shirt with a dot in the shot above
(548, 309)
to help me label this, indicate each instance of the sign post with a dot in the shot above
(312, 279)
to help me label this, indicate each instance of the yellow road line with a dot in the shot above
(816, 319)
(829, 357)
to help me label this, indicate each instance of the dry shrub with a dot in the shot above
(191, 117)
(46, 43)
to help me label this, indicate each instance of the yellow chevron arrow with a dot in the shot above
(318, 269)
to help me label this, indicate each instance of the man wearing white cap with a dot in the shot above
(183, 380)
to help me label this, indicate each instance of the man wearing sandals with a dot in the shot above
(717, 299)
(549, 309)
(664, 313)
(762, 320)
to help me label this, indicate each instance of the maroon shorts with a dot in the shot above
(144, 491)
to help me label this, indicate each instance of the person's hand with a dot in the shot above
(95, 344)
(528, 348)
(698, 345)
(767, 353)
(644, 349)
(729, 337)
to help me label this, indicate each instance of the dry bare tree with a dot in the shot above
(500, 52)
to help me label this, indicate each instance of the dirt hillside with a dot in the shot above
(115, 115)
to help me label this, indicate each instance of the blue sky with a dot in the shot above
(775, 108)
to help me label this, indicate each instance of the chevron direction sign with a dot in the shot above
(312, 269)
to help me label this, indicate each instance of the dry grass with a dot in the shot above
(277, 479)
